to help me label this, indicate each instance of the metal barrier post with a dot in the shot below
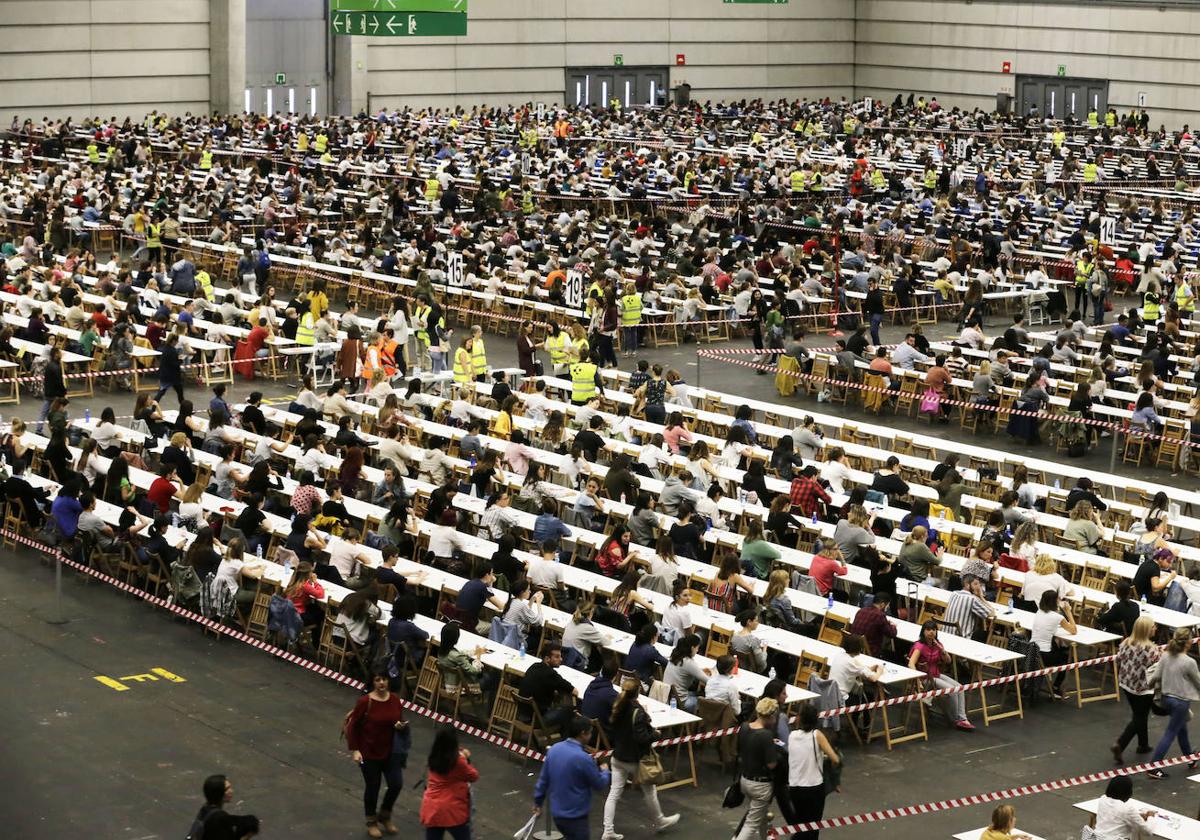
(57, 617)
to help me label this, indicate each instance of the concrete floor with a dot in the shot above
(131, 763)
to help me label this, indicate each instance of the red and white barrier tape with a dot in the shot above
(976, 799)
(1103, 425)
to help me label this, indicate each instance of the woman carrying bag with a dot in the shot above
(446, 806)
(808, 750)
(379, 741)
(632, 736)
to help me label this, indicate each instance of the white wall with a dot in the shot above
(104, 57)
(953, 50)
(517, 50)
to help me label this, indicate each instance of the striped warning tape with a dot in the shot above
(274, 650)
(1102, 425)
(978, 799)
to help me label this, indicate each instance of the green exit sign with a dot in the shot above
(1062, 69)
(280, 79)
(618, 59)
(398, 5)
(398, 24)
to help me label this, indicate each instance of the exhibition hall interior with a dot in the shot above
(548, 419)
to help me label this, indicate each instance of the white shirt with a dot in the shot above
(228, 576)
(544, 573)
(836, 473)
(443, 539)
(343, 556)
(804, 759)
(1116, 820)
(720, 687)
(1044, 626)
(1036, 585)
(315, 461)
(847, 671)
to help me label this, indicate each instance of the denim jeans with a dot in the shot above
(1176, 727)
(876, 323)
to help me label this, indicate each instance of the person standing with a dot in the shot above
(446, 805)
(53, 385)
(170, 371)
(758, 755)
(213, 821)
(568, 777)
(1179, 678)
(632, 737)
(1135, 657)
(806, 781)
(379, 740)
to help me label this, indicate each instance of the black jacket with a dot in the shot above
(632, 734)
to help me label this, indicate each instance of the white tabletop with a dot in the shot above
(1164, 824)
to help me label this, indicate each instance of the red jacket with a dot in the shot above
(447, 800)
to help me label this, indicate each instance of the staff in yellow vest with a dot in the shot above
(93, 152)
(1083, 275)
(327, 159)
(206, 158)
(1093, 119)
(1185, 299)
(558, 345)
(1151, 304)
(930, 179)
(1091, 172)
(527, 205)
(306, 334)
(302, 142)
(1058, 137)
(433, 190)
(799, 181)
(878, 181)
(205, 283)
(631, 319)
(322, 142)
(817, 182)
(154, 241)
(479, 363)
(462, 363)
(585, 381)
(1110, 119)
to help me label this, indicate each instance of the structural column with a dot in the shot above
(227, 56)
(349, 74)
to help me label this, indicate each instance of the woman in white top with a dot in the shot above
(358, 614)
(229, 572)
(444, 538)
(677, 620)
(685, 674)
(105, 434)
(1042, 577)
(524, 608)
(663, 564)
(191, 512)
(1116, 817)
(807, 750)
(1024, 542)
(1046, 622)
(700, 468)
(89, 462)
(835, 470)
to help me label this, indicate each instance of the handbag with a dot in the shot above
(649, 770)
(734, 796)
(931, 401)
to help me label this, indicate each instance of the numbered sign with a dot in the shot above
(526, 163)
(867, 103)
(1108, 230)
(454, 269)
(541, 111)
(573, 292)
(960, 148)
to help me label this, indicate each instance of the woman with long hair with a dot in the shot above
(378, 737)
(1179, 679)
(446, 805)
(1135, 657)
(928, 656)
(632, 736)
(684, 673)
(807, 750)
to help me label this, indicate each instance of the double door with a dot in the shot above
(1060, 98)
(631, 86)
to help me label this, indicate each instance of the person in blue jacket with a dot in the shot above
(569, 775)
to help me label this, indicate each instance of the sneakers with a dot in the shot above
(612, 835)
(1116, 752)
(964, 725)
(665, 823)
(1157, 774)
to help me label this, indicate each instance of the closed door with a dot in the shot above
(602, 89)
(577, 88)
(1075, 101)
(1097, 98)
(652, 88)
(1031, 95)
(627, 89)
(1052, 100)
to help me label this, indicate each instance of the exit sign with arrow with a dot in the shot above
(416, 24)
(398, 5)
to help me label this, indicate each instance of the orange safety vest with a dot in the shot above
(387, 357)
(561, 128)
(370, 363)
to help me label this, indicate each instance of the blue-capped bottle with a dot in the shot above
(829, 600)
(521, 650)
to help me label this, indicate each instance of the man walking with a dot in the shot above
(570, 774)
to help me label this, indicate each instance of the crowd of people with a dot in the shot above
(763, 213)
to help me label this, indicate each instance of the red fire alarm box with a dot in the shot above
(1006, 67)
(680, 59)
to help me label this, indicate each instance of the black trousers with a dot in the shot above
(1139, 705)
(808, 803)
(1056, 656)
(375, 771)
(783, 794)
(163, 387)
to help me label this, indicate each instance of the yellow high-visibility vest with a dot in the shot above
(527, 206)
(1093, 119)
(205, 283)
(1059, 137)
(478, 357)
(422, 314)
(930, 179)
(154, 236)
(631, 310)
(583, 382)
(1083, 272)
(321, 142)
(1184, 300)
(93, 153)
(556, 346)
(305, 334)
(431, 189)
(206, 159)
(877, 179)
(799, 181)
(1110, 119)
(1090, 173)
(1151, 308)
(462, 366)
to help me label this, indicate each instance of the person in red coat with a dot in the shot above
(447, 802)
(378, 737)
